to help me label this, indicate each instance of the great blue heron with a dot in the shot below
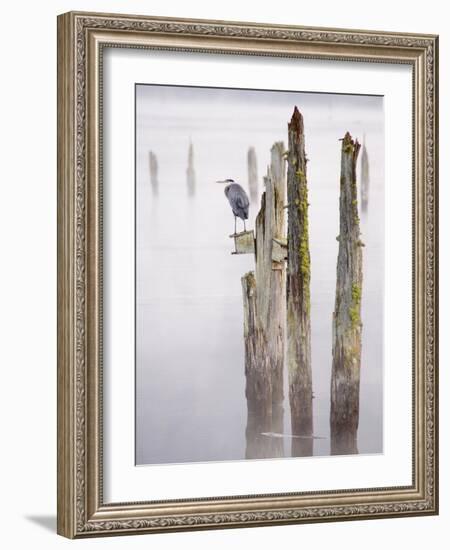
(238, 200)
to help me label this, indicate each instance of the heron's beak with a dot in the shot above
(220, 181)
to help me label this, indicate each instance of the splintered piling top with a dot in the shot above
(351, 146)
(296, 124)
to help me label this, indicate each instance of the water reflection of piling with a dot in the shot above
(190, 172)
(364, 178)
(298, 293)
(153, 165)
(252, 174)
(264, 314)
(347, 327)
(257, 444)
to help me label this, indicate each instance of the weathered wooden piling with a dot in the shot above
(264, 318)
(258, 384)
(153, 165)
(271, 275)
(365, 178)
(347, 327)
(252, 174)
(298, 292)
(190, 171)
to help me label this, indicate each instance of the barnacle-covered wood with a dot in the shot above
(298, 291)
(345, 377)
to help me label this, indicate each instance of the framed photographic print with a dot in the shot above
(247, 274)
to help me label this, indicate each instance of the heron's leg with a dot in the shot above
(244, 227)
(235, 225)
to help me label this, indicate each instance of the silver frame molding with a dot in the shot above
(81, 39)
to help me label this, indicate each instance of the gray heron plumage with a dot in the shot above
(238, 199)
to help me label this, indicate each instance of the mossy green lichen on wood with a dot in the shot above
(355, 204)
(348, 145)
(250, 280)
(354, 309)
(356, 293)
(355, 319)
(348, 148)
(305, 258)
(301, 176)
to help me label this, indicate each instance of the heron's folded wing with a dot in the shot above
(242, 201)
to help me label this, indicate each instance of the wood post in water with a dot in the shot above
(298, 292)
(257, 376)
(264, 319)
(344, 413)
(153, 165)
(270, 275)
(190, 171)
(252, 174)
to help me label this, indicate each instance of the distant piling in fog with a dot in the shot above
(347, 326)
(298, 292)
(252, 174)
(264, 317)
(153, 166)
(365, 179)
(190, 171)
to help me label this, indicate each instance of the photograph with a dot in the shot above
(259, 270)
(247, 273)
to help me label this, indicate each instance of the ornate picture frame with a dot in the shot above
(82, 39)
